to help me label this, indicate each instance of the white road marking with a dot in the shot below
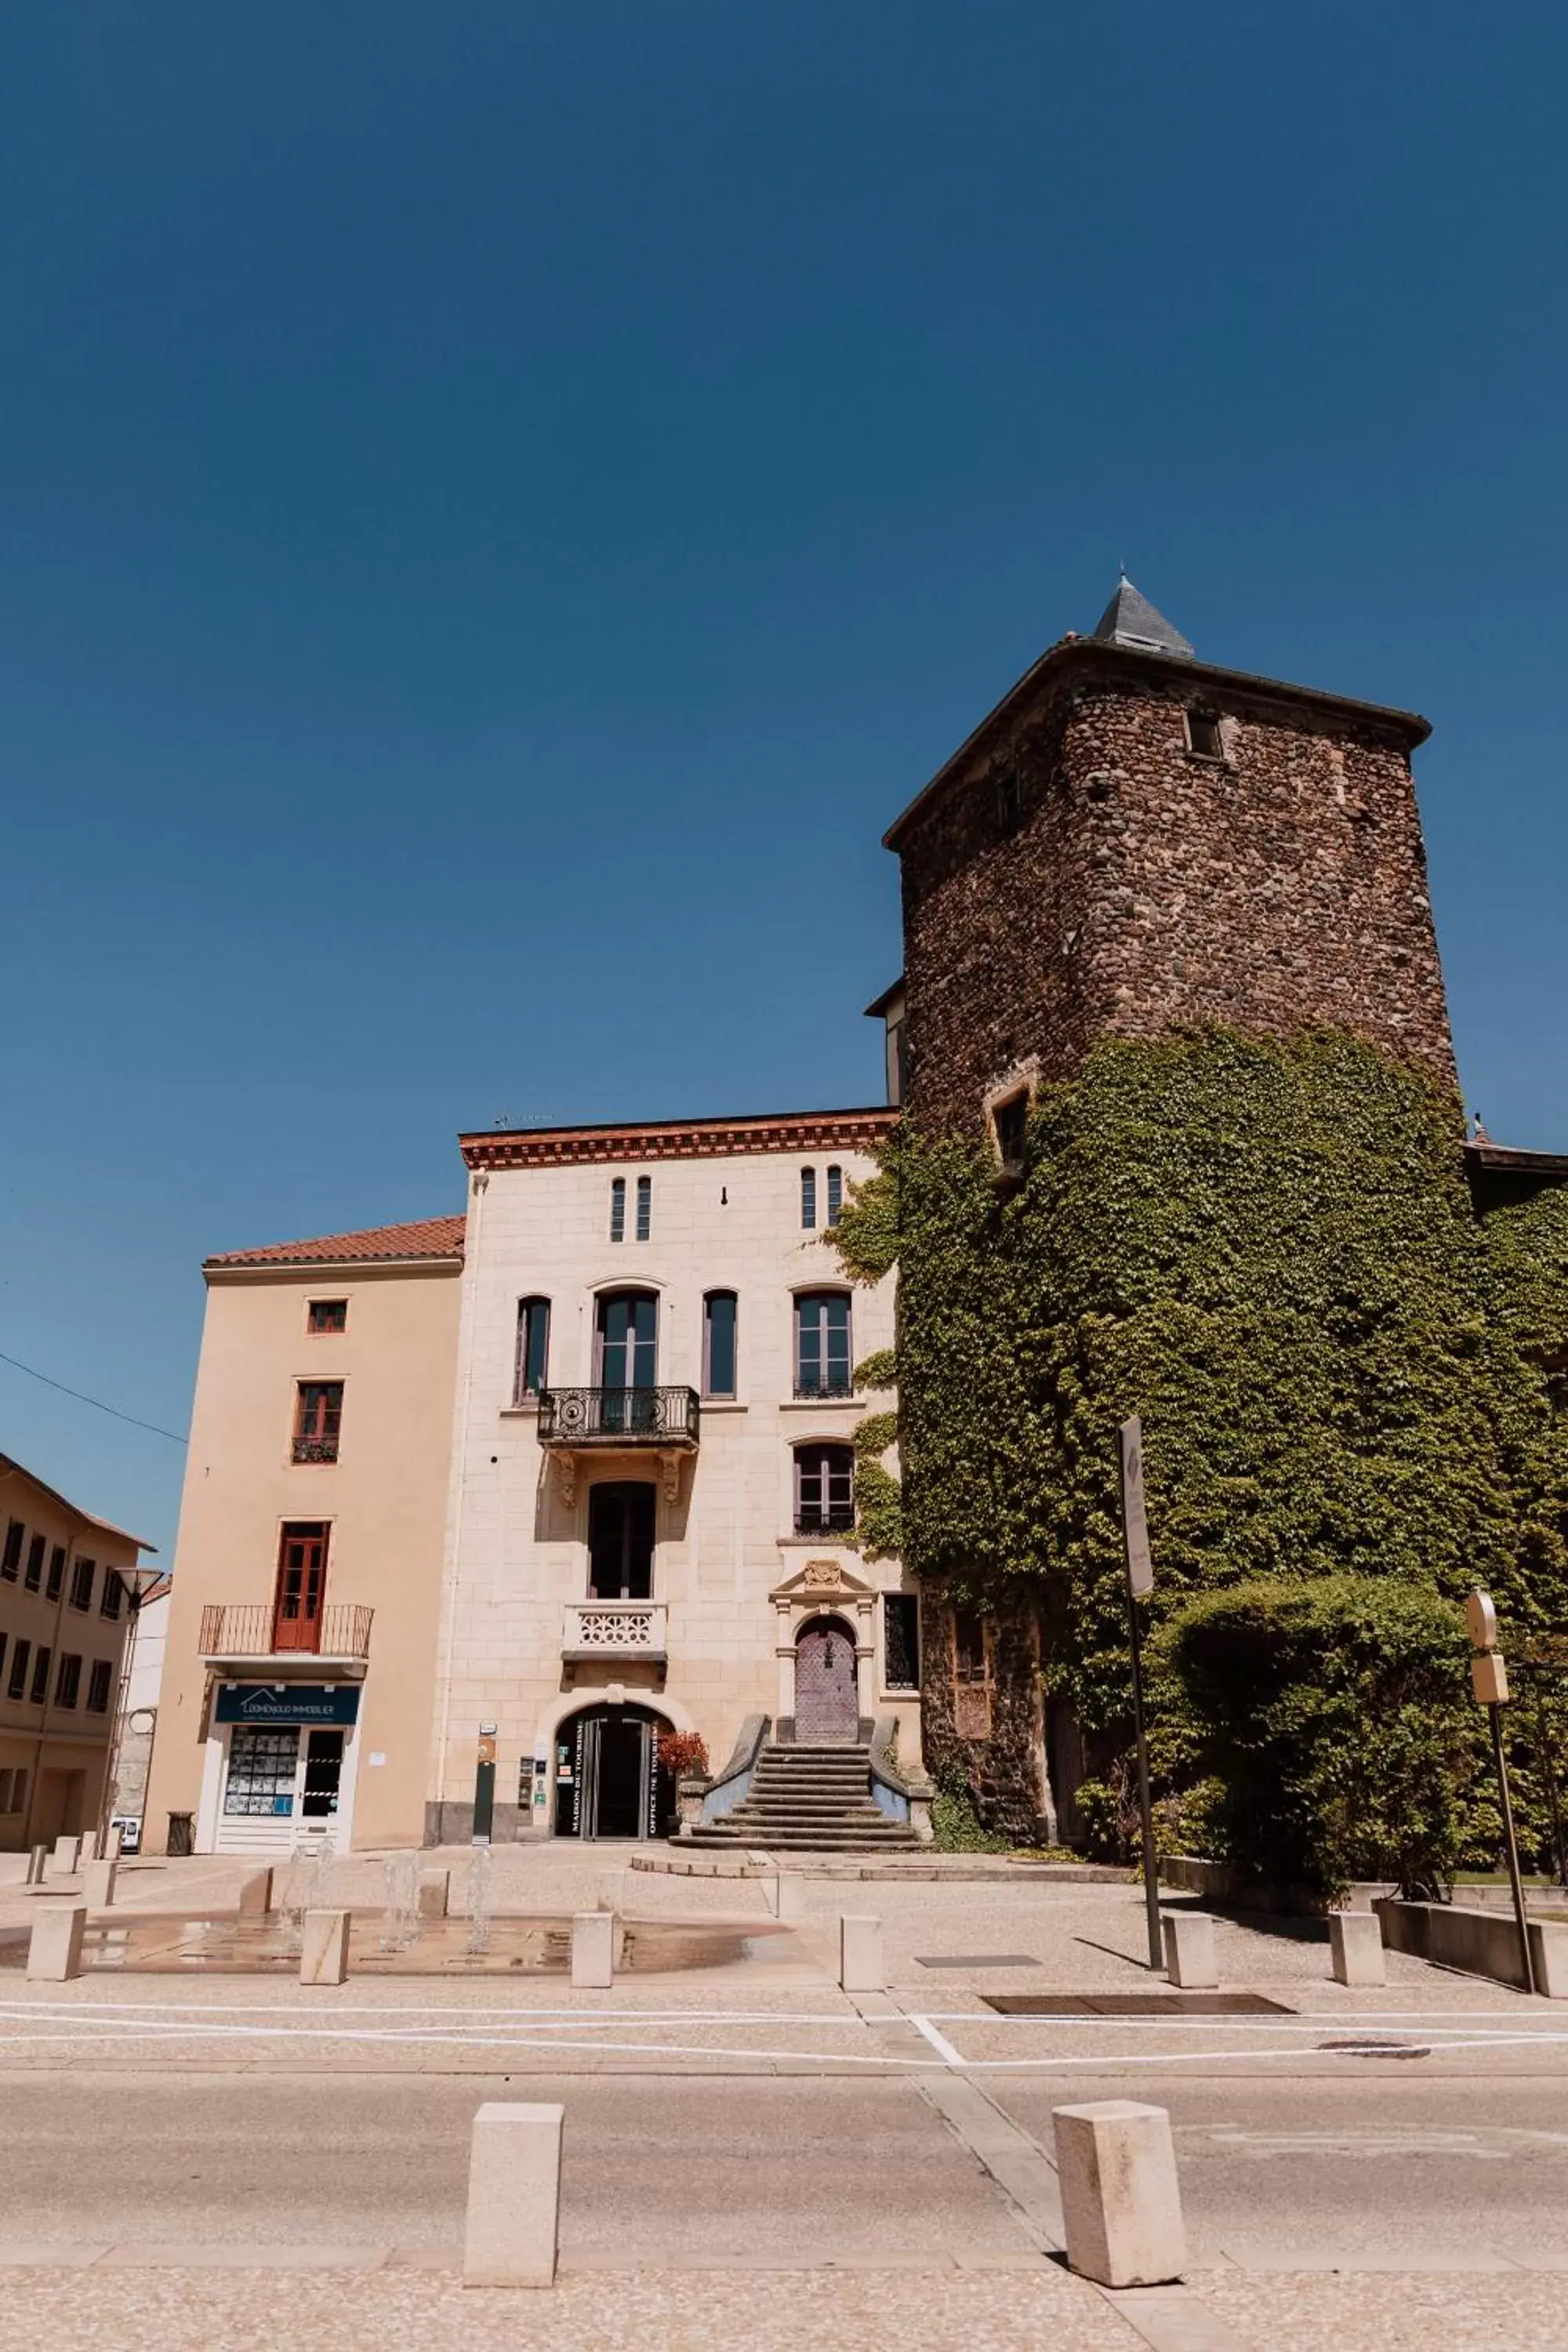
(939, 2041)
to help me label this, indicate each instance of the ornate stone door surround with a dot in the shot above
(824, 1587)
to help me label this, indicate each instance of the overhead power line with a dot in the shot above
(97, 1402)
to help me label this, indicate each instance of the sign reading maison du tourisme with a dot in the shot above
(286, 1703)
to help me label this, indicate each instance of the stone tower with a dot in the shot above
(1135, 841)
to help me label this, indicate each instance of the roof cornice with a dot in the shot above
(690, 1139)
(1091, 655)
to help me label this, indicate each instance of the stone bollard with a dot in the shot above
(593, 1950)
(1548, 1957)
(38, 1865)
(54, 1949)
(1122, 2205)
(1189, 1949)
(789, 1895)
(98, 1885)
(67, 1855)
(435, 1899)
(254, 1900)
(106, 1847)
(1355, 1948)
(860, 1966)
(512, 2224)
(324, 1948)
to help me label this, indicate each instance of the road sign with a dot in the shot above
(1134, 1517)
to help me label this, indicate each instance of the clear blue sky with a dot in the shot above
(500, 505)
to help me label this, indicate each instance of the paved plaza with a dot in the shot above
(752, 2155)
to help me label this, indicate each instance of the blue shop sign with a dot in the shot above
(286, 1703)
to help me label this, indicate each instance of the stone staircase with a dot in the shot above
(808, 1800)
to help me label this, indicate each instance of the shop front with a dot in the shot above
(282, 1762)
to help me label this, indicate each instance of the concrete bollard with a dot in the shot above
(1548, 1957)
(1355, 1948)
(435, 1893)
(98, 1885)
(106, 1844)
(861, 1968)
(789, 1895)
(38, 1865)
(54, 1948)
(324, 1948)
(1189, 1948)
(593, 1950)
(254, 1900)
(512, 2225)
(1121, 2204)
(67, 1855)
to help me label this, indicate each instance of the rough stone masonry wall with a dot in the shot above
(1145, 887)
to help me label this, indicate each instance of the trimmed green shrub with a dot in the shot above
(1335, 1713)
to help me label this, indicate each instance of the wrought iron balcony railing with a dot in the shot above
(666, 1417)
(317, 1449)
(256, 1629)
(834, 1521)
(824, 1384)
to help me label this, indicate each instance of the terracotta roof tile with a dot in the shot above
(425, 1237)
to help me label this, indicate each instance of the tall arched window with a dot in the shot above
(532, 1348)
(824, 1490)
(822, 1344)
(719, 1358)
(835, 1194)
(808, 1199)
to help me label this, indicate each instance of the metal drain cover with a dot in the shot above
(979, 1960)
(1135, 2004)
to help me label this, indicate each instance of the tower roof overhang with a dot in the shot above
(1075, 658)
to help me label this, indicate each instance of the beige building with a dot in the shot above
(67, 1586)
(651, 1522)
(299, 1680)
(527, 1490)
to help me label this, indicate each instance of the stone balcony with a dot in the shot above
(614, 1633)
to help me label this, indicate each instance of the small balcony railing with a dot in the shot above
(831, 1522)
(826, 1385)
(255, 1629)
(614, 1629)
(666, 1417)
(317, 1448)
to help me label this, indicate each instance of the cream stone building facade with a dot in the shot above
(69, 1582)
(479, 1510)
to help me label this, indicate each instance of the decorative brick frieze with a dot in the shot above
(702, 1139)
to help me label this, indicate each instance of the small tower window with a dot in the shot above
(808, 1199)
(835, 1194)
(1204, 736)
(645, 1207)
(1009, 799)
(1011, 1122)
(619, 1209)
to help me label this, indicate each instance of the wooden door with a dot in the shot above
(301, 1587)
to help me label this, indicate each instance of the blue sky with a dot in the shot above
(500, 505)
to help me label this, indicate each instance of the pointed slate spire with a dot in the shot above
(1131, 620)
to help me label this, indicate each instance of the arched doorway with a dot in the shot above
(826, 1704)
(608, 1781)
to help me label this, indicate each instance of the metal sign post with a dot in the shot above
(1488, 1677)
(1140, 1585)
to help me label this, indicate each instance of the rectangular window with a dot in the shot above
(532, 1367)
(968, 1646)
(328, 1315)
(11, 1558)
(263, 1763)
(900, 1642)
(82, 1575)
(824, 1490)
(67, 1682)
(1011, 1122)
(97, 1688)
(835, 1195)
(34, 1577)
(56, 1575)
(808, 1199)
(318, 1420)
(822, 1344)
(619, 1209)
(645, 1207)
(40, 1689)
(1204, 736)
(17, 1685)
(113, 1596)
(719, 1353)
